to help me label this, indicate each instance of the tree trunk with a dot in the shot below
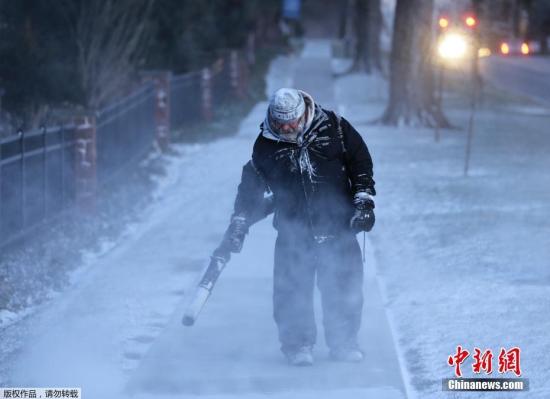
(367, 24)
(343, 20)
(426, 108)
(412, 97)
(360, 61)
(400, 64)
(375, 19)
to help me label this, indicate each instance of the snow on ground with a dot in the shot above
(461, 261)
(246, 361)
(117, 332)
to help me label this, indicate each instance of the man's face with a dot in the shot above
(288, 128)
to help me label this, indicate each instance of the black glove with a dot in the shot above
(363, 218)
(234, 236)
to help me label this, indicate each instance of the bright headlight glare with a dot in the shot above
(452, 46)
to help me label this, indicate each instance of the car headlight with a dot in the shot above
(452, 46)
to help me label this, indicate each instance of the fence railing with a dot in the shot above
(36, 177)
(46, 171)
(185, 99)
(125, 130)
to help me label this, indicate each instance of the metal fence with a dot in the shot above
(193, 96)
(125, 130)
(221, 81)
(39, 170)
(36, 177)
(185, 99)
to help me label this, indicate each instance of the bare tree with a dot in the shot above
(400, 64)
(426, 109)
(360, 61)
(366, 26)
(344, 7)
(411, 94)
(111, 37)
(375, 23)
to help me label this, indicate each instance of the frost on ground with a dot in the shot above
(464, 260)
(118, 330)
(55, 256)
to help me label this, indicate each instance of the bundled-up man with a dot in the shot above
(319, 171)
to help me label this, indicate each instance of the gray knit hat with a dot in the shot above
(286, 105)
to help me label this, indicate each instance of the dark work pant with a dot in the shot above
(339, 270)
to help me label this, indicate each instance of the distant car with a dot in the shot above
(514, 47)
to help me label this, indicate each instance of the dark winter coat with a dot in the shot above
(313, 180)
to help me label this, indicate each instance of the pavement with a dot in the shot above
(247, 360)
(118, 332)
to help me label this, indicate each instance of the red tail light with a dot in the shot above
(470, 21)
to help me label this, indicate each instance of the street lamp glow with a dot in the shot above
(452, 46)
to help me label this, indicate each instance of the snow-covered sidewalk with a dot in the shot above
(118, 332)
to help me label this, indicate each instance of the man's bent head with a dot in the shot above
(286, 113)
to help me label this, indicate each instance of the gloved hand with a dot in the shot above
(237, 230)
(363, 218)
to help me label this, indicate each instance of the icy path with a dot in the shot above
(118, 333)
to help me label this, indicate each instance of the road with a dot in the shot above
(528, 76)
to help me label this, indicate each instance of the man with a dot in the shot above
(319, 170)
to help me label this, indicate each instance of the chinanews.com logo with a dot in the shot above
(508, 363)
